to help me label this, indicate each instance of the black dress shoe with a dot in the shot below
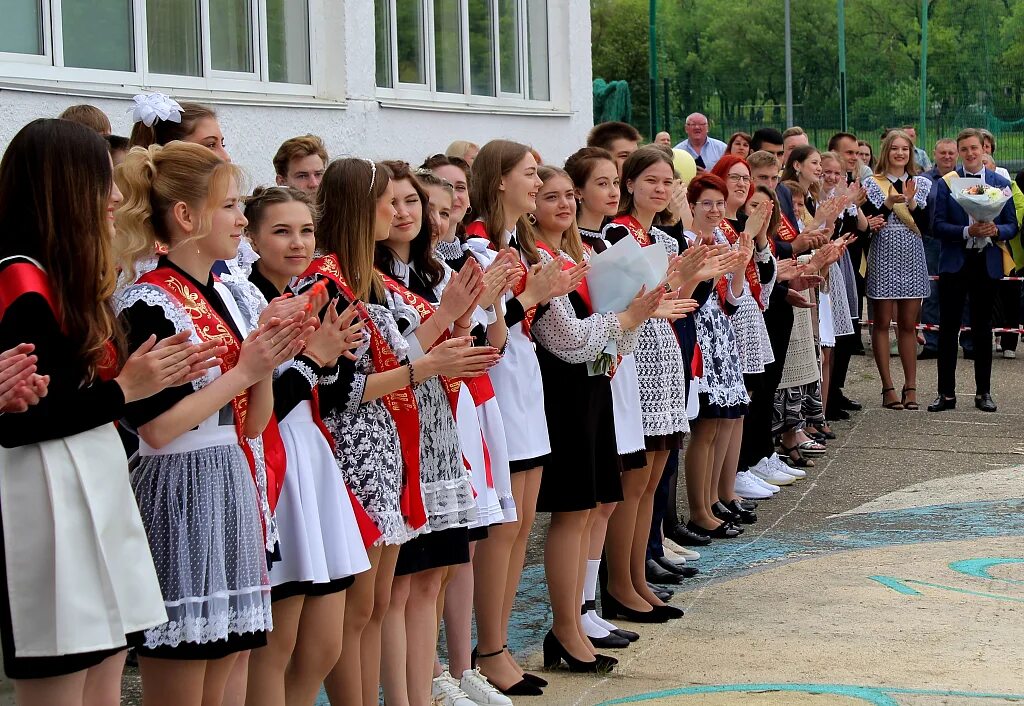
(661, 592)
(628, 634)
(657, 574)
(685, 536)
(610, 641)
(723, 531)
(725, 514)
(748, 504)
(611, 609)
(928, 354)
(680, 569)
(984, 402)
(669, 611)
(747, 517)
(849, 405)
(942, 403)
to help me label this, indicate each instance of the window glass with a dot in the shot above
(231, 35)
(382, 33)
(173, 37)
(508, 45)
(448, 45)
(481, 48)
(98, 34)
(21, 32)
(537, 42)
(288, 41)
(409, 17)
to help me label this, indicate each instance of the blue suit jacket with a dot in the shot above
(950, 219)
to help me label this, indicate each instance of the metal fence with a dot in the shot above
(956, 99)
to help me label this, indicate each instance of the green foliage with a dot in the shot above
(725, 58)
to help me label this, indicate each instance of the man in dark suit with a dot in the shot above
(970, 262)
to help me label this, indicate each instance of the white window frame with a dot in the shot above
(48, 67)
(428, 93)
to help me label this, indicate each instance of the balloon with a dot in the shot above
(686, 168)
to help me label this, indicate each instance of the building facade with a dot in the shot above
(377, 78)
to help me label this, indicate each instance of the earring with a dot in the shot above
(531, 218)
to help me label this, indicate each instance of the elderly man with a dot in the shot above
(705, 150)
(663, 139)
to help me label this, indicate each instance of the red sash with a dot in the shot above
(476, 229)
(401, 403)
(787, 233)
(22, 278)
(567, 264)
(753, 278)
(635, 229)
(425, 309)
(209, 325)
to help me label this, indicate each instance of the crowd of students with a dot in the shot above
(346, 396)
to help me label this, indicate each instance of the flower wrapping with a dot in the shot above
(618, 273)
(983, 202)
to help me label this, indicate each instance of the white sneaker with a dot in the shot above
(763, 483)
(684, 552)
(480, 691)
(446, 692)
(767, 472)
(672, 557)
(780, 465)
(1008, 354)
(748, 487)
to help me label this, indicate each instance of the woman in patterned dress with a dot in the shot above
(646, 188)
(897, 280)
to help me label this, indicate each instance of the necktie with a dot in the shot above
(968, 175)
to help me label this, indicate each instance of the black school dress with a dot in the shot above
(585, 466)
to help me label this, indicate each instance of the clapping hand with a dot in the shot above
(340, 334)
(462, 292)
(674, 306)
(18, 381)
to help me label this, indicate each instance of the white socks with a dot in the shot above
(593, 624)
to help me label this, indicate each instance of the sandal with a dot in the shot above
(891, 405)
(912, 406)
(799, 461)
(811, 448)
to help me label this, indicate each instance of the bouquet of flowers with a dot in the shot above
(983, 202)
(615, 277)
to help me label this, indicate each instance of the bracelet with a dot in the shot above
(412, 376)
(504, 346)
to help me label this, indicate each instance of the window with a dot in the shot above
(213, 44)
(473, 48)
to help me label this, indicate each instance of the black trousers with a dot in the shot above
(757, 425)
(973, 279)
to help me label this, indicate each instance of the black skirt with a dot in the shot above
(433, 551)
(308, 588)
(585, 467)
(528, 464)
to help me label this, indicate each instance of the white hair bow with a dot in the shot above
(150, 107)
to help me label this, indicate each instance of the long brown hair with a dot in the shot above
(155, 178)
(164, 131)
(495, 160)
(635, 165)
(55, 181)
(421, 249)
(571, 241)
(347, 206)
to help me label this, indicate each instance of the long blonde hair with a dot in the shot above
(155, 178)
(882, 164)
(347, 206)
(572, 243)
(495, 160)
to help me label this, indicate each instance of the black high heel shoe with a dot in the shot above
(523, 687)
(611, 608)
(625, 634)
(555, 654)
(532, 678)
(610, 641)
